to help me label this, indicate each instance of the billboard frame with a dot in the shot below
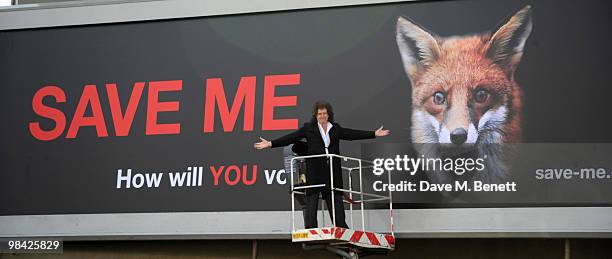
(556, 222)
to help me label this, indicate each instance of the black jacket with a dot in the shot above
(318, 168)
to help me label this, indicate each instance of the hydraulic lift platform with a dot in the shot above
(348, 243)
(342, 236)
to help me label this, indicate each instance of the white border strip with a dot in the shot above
(575, 222)
(100, 12)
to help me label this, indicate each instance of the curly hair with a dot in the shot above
(319, 105)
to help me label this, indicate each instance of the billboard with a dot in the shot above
(161, 116)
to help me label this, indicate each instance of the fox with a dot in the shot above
(464, 94)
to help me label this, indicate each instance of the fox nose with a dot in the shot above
(458, 136)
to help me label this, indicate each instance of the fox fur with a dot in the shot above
(463, 89)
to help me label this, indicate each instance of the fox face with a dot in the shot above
(463, 87)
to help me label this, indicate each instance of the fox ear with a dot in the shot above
(418, 48)
(506, 46)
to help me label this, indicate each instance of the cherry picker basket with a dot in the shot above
(357, 240)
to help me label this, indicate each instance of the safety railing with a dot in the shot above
(371, 197)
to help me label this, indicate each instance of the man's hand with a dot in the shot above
(380, 132)
(262, 144)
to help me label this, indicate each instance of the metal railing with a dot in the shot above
(350, 191)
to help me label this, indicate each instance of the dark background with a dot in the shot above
(347, 56)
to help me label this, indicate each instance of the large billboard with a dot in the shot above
(507, 100)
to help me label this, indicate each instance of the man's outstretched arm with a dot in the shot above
(282, 141)
(353, 134)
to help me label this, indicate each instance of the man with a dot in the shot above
(322, 136)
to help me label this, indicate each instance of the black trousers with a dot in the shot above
(312, 205)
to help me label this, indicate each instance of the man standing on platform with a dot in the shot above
(322, 136)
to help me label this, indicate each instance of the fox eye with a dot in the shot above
(439, 98)
(481, 96)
